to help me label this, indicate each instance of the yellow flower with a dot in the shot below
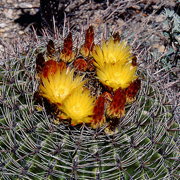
(112, 52)
(58, 84)
(117, 75)
(79, 106)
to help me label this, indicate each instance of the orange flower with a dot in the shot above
(98, 118)
(90, 65)
(80, 64)
(132, 90)
(51, 67)
(67, 54)
(89, 42)
(116, 108)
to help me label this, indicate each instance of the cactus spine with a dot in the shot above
(32, 146)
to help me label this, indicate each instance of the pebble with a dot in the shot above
(120, 22)
(25, 5)
(161, 48)
(9, 13)
(1, 47)
(160, 18)
(3, 25)
(21, 32)
(155, 7)
(136, 7)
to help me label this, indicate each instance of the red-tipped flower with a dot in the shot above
(51, 67)
(98, 118)
(80, 64)
(89, 42)
(132, 90)
(67, 54)
(116, 108)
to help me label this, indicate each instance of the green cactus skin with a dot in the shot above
(33, 147)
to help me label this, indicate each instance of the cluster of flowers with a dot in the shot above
(113, 65)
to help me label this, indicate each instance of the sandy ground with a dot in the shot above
(16, 16)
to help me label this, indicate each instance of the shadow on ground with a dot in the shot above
(56, 8)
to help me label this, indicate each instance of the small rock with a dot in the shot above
(1, 47)
(25, 5)
(120, 22)
(155, 7)
(21, 32)
(136, 7)
(3, 25)
(8, 1)
(2, 31)
(161, 48)
(160, 18)
(4, 34)
(9, 13)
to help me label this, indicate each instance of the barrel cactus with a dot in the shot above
(37, 143)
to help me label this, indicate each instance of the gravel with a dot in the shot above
(78, 13)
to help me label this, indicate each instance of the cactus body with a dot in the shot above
(32, 146)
